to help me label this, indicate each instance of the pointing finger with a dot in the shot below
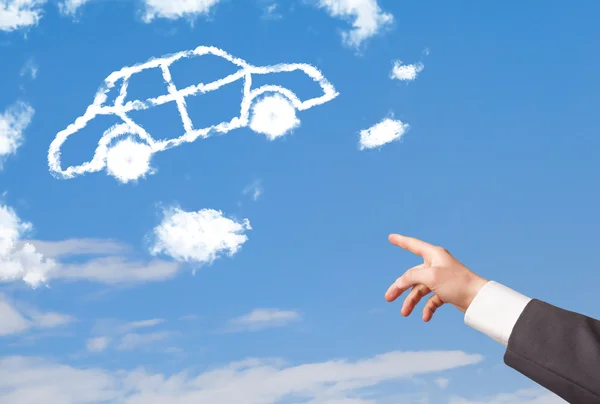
(414, 245)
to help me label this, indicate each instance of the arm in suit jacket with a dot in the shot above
(556, 348)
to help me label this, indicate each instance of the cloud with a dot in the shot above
(76, 247)
(383, 132)
(20, 261)
(175, 9)
(199, 237)
(254, 189)
(133, 341)
(15, 321)
(523, 396)
(259, 319)
(29, 69)
(18, 14)
(13, 121)
(442, 382)
(123, 335)
(406, 72)
(368, 18)
(271, 10)
(257, 381)
(70, 7)
(97, 344)
(36, 262)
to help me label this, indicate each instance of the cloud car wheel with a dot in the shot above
(273, 115)
(128, 159)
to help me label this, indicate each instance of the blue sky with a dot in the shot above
(155, 289)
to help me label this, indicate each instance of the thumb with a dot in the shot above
(419, 275)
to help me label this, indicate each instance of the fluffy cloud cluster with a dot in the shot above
(404, 72)
(13, 121)
(20, 261)
(368, 18)
(381, 133)
(199, 237)
(18, 14)
(257, 381)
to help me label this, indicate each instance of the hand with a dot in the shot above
(441, 273)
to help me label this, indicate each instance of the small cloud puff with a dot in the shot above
(383, 132)
(368, 18)
(13, 121)
(20, 261)
(175, 9)
(404, 72)
(19, 14)
(199, 237)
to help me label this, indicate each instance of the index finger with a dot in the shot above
(414, 245)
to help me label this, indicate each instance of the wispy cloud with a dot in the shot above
(175, 9)
(271, 10)
(125, 336)
(523, 396)
(133, 341)
(15, 321)
(97, 344)
(259, 319)
(30, 69)
(367, 18)
(258, 381)
(200, 237)
(406, 72)
(13, 121)
(37, 262)
(70, 7)
(19, 14)
(381, 133)
(254, 189)
(442, 382)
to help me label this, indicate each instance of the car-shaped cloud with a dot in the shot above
(125, 148)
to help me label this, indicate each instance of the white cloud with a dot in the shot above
(70, 7)
(523, 396)
(274, 116)
(97, 344)
(254, 189)
(29, 69)
(271, 10)
(82, 246)
(20, 261)
(368, 18)
(18, 14)
(257, 381)
(406, 72)
(13, 121)
(260, 319)
(36, 262)
(175, 9)
(15, 321)
(442, 382)
(383, 132)
(133, 341)
(124, 336)
(199, 237)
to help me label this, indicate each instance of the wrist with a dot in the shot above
(473, 289)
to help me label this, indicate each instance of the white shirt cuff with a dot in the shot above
(495, 311)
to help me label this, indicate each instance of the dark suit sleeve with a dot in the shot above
(559, 350)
